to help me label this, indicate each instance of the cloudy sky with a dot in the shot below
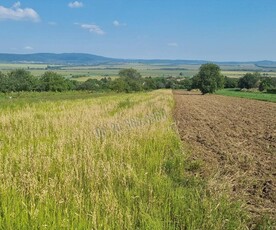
(218, 30)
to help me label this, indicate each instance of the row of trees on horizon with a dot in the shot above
(208, 80)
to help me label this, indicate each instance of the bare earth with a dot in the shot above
(235, 139)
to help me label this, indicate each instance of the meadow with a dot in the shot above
(262, 96)
(110, 161)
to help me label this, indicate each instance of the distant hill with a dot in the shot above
(51, 58)
(83, 59)
(90, 59)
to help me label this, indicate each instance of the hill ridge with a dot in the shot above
(76, 58)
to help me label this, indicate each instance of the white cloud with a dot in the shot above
(28, 48)
(75, 4)
(93, 28)
(173, 44)
(16, 13)
(117, 23)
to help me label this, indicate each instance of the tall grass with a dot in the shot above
(112, 162)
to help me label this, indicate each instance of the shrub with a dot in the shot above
(249, 80)
(267, 83)
(51, 81)
(231, 82)
(91, 85)
(21, 80)
(272, 91)
(4, 84)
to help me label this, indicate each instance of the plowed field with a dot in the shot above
(235, 142)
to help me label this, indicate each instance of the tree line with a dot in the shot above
(22, 80)
(129, 80)
(208, 80)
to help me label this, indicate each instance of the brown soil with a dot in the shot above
(235, 139)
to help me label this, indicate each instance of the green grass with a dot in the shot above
(250, 95)
(18, 100)
(108, 162)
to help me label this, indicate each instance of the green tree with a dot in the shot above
(185, 83)
(105, 83)
(21, 80)
(132, 78)
(71, 84)
(160, 82)
(231, 82)
(119, 85)
(91, 84)
(249, 80)
(4, 84)
(149, 83)
(170, 83)
(209, 79)
(130, 74)
(51, 81)
(267, 83)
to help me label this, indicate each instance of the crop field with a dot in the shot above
(235, 140)
(106, 161)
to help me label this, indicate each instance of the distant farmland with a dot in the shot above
(154, 70)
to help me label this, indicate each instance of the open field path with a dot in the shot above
(234, 140)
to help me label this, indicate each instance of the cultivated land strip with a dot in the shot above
(235, 141)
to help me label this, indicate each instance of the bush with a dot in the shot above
(4, 84)
(91, 85)
(119, 85)
(249, 80)
(149, 83)
(267, 83)
(51, 81)
(185, 83)
(20, 80)
(129, 73)
(231, 82)
(132, 79)
(272, 91)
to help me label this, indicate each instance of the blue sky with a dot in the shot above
(215, 30)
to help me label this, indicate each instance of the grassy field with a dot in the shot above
(113, 161)
(250, 95)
